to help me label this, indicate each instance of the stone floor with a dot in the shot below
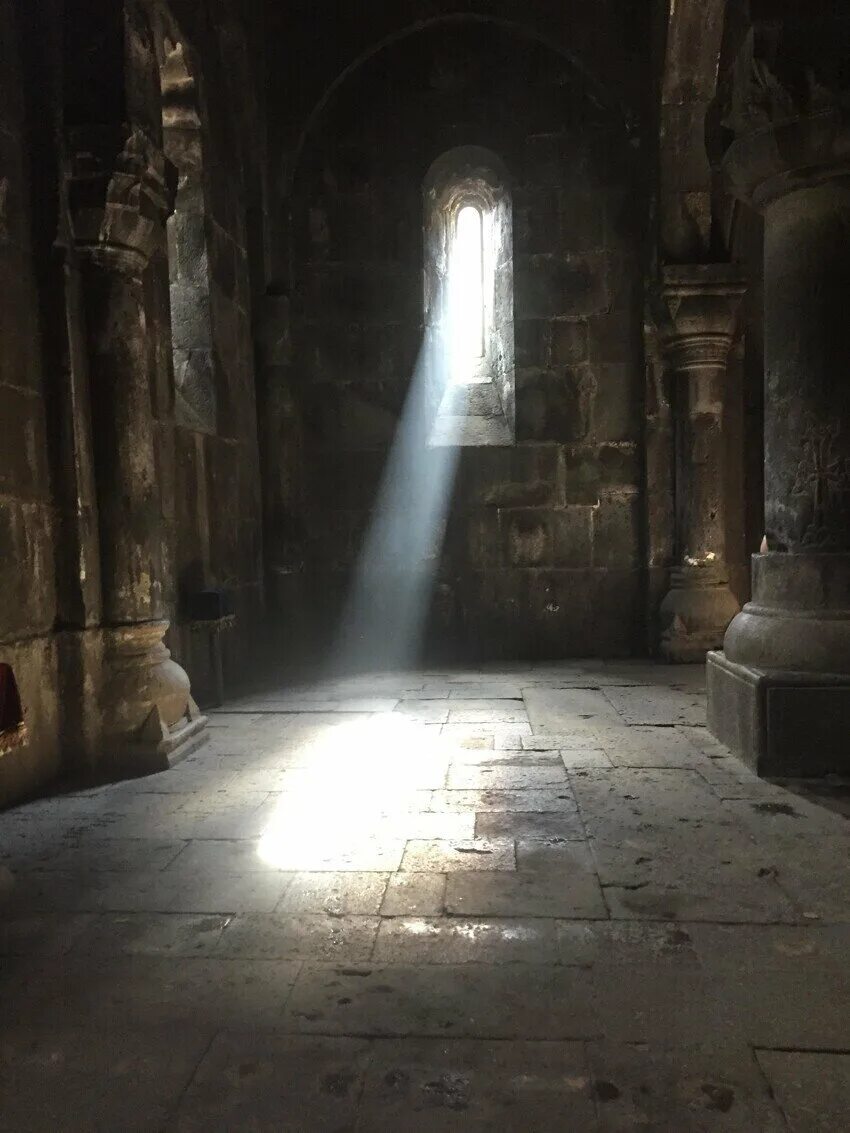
(533, 899)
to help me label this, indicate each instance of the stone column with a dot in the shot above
(702, 303)
(119, 205)
(779, 693)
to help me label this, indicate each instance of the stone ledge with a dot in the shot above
(780, 723)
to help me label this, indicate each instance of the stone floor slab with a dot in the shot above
(152, 934)
(423, 856)
(540, 1001)
(449, 940)
(267, 1082)
(503, 777)
(812, 1087)
(685, 1089)
(432, 1086)
(336, 894)
(299, 887)
(515, 824)
(66, 1080)
(138, 991)
(657, 705)
(414, 894)
(303, 936)
(568, 710)
(526, 894)
(532, 800)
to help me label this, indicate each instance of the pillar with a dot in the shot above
(779, 691)
(119, 200)
(701, 301)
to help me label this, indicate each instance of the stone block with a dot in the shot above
(582, 216)
(545, 159)
(616, 533)
(528, 537)
(344, 479)
(275, 331)
(536, 220)
(191, 520)
(482, 539)
(569, 342)
(619, 466)
(780, 724)
(572, 537)
(598, 155)
(223, 256)
(550, 286)
(223, 479)
(23, 465)
(683, 157)
(329, 351)
(14, 226)
(27, 596)
(196, 401)
(550, 614)
(20, 356)
(614, 336)
(11, 95)
(190, 317)
(509, 476)
(617, 412)
(366, 293)
(531, 343)
(552, 405)
(187, 248)
(582, 480)
(618, 616)
(685, 224)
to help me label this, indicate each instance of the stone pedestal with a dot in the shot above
(702, 302)
(145, 713)
(779, 694)
(144, 684)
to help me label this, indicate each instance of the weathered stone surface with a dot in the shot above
(665, 919)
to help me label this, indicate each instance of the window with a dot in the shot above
(468, 303)
(466, 295)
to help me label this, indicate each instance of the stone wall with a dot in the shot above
(543, 551)
(216, 514)
(28, 592)
(59, 319)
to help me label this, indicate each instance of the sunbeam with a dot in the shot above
(384, 619)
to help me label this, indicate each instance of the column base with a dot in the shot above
(157, 747)
(150, 720)
(694, 615)
(780, 723)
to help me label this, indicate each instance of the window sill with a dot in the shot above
(471, 415)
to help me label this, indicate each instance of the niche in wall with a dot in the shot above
(12, 726)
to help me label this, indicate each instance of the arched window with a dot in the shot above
(466, 294)
(469, 304)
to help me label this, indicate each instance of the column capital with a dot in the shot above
(121, 191)
(788, 114)
(701, 304)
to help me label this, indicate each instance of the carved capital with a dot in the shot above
(787, 111)
(121, 191)
(700, 303)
